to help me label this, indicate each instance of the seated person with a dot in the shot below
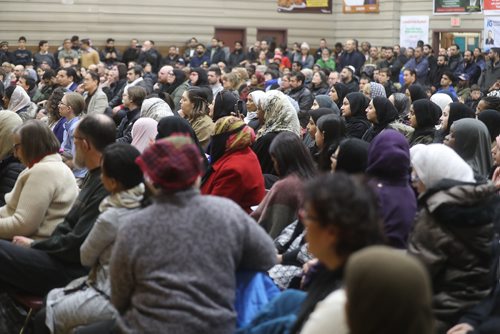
(44, 192)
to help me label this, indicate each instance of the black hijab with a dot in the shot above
(202, 76)
(180, 77)
(385, 110)
(491, 118)
(342, 91)
(458, 111)
(353, 156)
(417, 92)
(425, 113)
(316, 114)
(358, 103)
(224, 104)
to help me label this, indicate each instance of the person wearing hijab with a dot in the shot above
(17, 100)
(170, 125)
(387, 292)
(234, 170)
(276, 115)
(211, 234)
(380, 112)
(373, 89)
(309, 137)
(253, 103)
(442, 100)
(471, 140)
(178, 83)
(350, 157)
(330, 131)
(416, 92)
(224, 105)
(324, 101)
(423, 119)
(451, 113)
(10, 166)
(144, 133)
(155, 108)
(402, 104)
(453, 231)
(491, 118)
(354, 112)
(388, 170)
(198, 77)
(337, 93)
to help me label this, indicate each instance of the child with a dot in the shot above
(475, 95)
(86, 300)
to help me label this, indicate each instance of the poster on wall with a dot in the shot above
(491, 34)
(454, 7)
(305, 6)
(491, 7)
(360, 6)
(413, 29)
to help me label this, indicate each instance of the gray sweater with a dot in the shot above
(173, 265)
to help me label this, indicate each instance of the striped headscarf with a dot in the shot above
(279, 114)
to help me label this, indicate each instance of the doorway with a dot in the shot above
(230, 35)
(274, 37)
(466, 40)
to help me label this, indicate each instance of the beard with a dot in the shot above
(78, 160)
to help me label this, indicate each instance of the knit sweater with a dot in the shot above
(39, 201)
(173, 264)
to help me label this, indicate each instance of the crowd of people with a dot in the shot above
(263, 190)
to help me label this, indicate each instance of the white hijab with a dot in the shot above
(435, 162)
(144, 132)
(19, 99)
(441, 99)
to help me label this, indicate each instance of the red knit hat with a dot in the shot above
(173, 163)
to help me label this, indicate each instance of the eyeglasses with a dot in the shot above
(61, 103)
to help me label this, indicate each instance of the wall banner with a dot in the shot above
(360, 6)
(413, 29)
(454, 7)
(305, 6)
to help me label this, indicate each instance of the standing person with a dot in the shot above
(22, 56)
(149, 54)
(456, 217)
(110, 55)
(39, 266)
(351, 57)
(132, 52)
(193, 303)
(88, 56)
(492, 71)
(234, 170)
(43, 55)
(67, 54)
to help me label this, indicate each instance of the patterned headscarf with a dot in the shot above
(377, 89)
(240, 135)
(172, 163)
(279, 114)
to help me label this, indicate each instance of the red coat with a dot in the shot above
(237, 176)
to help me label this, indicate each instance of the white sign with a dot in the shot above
(413, 29)
(491, 34)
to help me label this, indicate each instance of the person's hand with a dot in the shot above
(308, 265)
(156, 86)
(41, 114)
(462, 328)
(80, 89)
(116, 110)
(22, 241)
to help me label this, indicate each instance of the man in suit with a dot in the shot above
(96, 100)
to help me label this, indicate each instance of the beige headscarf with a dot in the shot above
(388, 292)
(8, 122)
(19, 99)
(279, 114)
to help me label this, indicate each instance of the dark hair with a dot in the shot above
(333, 129)
(109, 40)
(94, 76)
(272, 73)
(136, 94)
(349, 205)
(42, 42)
(99, 130)
(48, 74)
(122, 70)
(292, 156)
(492, 102)
(300, 76)
(450, 75)
(199, 98)
(30, 81)
(52, 104)
(224, 104)
(137, 69)
(412, 71)
(215, 69)
(22, 38)
(37, 140)
(118, 162)
(85, 41)
(70, 72)
(9, 91)
(74, 38)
